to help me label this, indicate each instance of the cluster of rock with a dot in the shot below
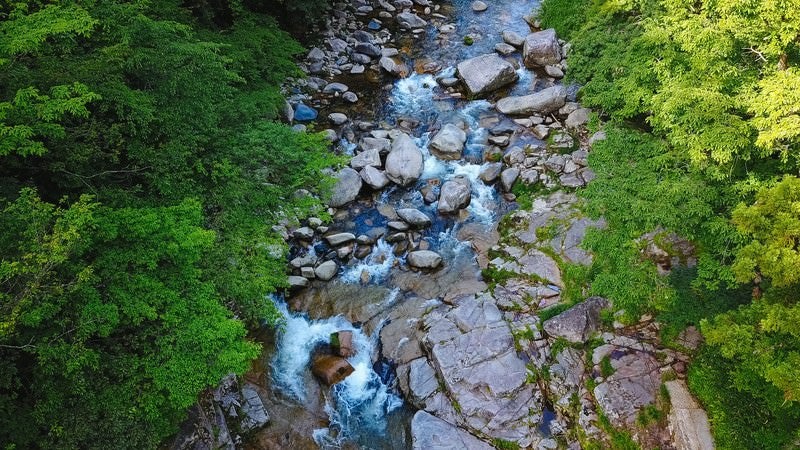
(223, 416)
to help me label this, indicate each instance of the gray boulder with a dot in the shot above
(424, 259)
(326, 271)
(380, 144)
(513, 38)
(508, 177)
(296, 282)
(340, 238)
(578, 323)
(486, 73)
(490, 172)
(255, 414)
(409, 20)
(454, 195)
(634, 384)
(414, 217)
(346, 188)
(577, 118)
(374, 178)
(545, 101)
(541, 49)
(449, 142)
(404, 163)
(422, 381)
(366, 158)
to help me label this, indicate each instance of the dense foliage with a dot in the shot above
(142, 174)
(702, 107)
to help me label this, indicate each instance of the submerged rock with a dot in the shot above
(486, 73)
(541, 49)
(546, 101)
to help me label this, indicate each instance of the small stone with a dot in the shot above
(479, 6)
(337, 118)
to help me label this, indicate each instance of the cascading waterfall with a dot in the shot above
(376, 265)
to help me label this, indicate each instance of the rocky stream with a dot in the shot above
(428, 313)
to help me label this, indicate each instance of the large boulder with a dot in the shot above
(424, 259)
(578, 323)
(541, 49)
(414, 217)
(429, 432)
(340, 238)
(545, 101)
(472, 349)
(404, 163)
(255, 414)
(508, 177)
(454, 195)
(331, 369)
(409, 20)
(346, 188)
(486, 73)
(449, 142)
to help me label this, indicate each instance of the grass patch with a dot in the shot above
(606, 369)
(503, 444)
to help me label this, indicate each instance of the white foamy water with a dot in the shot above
(376, 265)
(413, 96)
(483, 197)
(360, 403)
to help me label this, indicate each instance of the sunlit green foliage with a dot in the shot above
(703, 121)
(142, 173)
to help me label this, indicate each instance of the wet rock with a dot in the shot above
(340, 238)
(374, 178)
(366, 158)
(255, 414)
(337, 118)
(428, 432)
(342, 343)
(578, 323)
(634, 384)
(479, 6)
(350, 97)
(541, 49)
(448, 143)
(508, 177)
(513, 38)
(688, 422)
(296, 282)
(545, 101)
(486, 73)
(577, 118)
(409, 20)
(490, 172)
(424, 259)
(335, 88)
(331, 369)
(454, 195)
(414, 217)
(303, 113)
(326, 271)
(346, 188)
(368, 49)
(393, 66)
(404, 163)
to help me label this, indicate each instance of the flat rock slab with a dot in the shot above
(486, 73)
(472, 350)
(633, 385)
(428, 432)
(688, 422)
(545, 101)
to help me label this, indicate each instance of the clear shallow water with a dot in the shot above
(363, 408)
